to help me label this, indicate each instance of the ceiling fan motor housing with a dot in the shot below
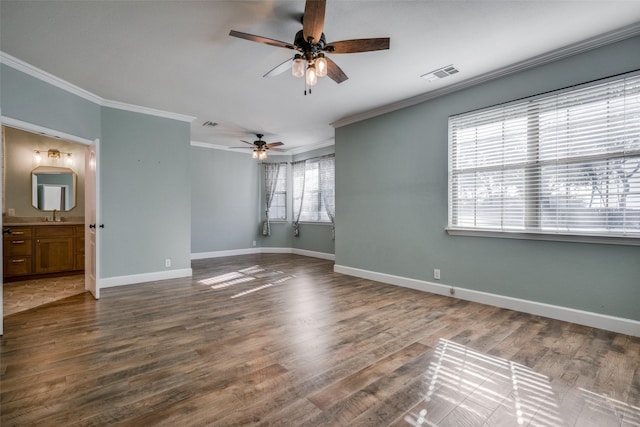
(310, 50)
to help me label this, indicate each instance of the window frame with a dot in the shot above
(533, 199)
(283, 174)
(321, 213)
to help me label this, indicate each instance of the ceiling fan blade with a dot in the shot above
(279, 69)
(334, 72)
(260, 39)
(273, 144)
(313, 20)
(240, 148)
(277, 149)
(247, 142)
(358, 45)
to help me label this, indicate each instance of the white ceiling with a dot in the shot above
(177, 56)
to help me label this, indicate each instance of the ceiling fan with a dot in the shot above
(260, 147)
(311, 44)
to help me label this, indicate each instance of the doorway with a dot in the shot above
(61, 273)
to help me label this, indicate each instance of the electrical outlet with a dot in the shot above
(11, 212)
(436, 273)
(167, 262)
(254, 243)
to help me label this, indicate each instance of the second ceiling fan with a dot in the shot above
(311, 44)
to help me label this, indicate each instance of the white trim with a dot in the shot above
(145, 277)
(148, 111)
(263, 250)
(275, 250)
(218, 254)
(19, 124)
(19, 65)
(291, 152)
(595, 320)
(574, 238)
(545, 58)
(305, 149)
(226, 148)
(313, 254)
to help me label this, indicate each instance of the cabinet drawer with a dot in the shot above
(55, 231)
(18, 233)
(17, 266)
(17, 247)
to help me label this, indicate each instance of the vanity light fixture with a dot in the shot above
(54, 154)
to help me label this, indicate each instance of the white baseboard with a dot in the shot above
(145, 277)
(313, 254)
(595, 320)
(218, 254)
(263, 250)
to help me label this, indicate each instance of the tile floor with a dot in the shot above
(26, 294)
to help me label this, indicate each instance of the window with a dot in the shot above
(278, 208)
(567, 162)
(314, 189)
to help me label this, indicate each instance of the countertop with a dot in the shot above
(29, 224)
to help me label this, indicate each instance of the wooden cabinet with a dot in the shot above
(17, 252)
(43, 249)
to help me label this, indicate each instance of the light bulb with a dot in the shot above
(69, 159)
(321, 65)
(297, 69)
(37, 157)
(262, 155)
(312, 76)
(254, 154)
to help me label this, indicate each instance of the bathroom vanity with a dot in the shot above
(39, 248)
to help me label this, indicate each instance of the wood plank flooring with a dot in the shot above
(278, 339)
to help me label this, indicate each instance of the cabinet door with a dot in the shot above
(54, 254)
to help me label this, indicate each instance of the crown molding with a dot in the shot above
(298, 150)
(148, 111)
(545, 58)
(225, 148)
(26, 68)
(30, 127)
(307, 148)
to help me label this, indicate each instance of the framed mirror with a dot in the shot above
(53, 188)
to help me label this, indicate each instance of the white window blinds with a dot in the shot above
(567, 162)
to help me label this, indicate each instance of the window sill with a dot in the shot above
(316, 222)
(576, 238)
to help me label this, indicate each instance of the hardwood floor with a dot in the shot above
(282, 340)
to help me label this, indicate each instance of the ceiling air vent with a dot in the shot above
(440, 73)
(210, 124)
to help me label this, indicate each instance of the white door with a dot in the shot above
(1, 197)
(91, 211)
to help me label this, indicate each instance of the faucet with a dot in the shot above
(54, 216)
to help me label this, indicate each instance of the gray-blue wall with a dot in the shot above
(144, 172)
(224, 197)
(33, 101)
(314, 237)
(391, 202)
(145, 193)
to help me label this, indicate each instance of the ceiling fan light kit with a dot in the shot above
(311, 44)
(259, 147)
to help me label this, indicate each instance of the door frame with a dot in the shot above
(33, 128)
